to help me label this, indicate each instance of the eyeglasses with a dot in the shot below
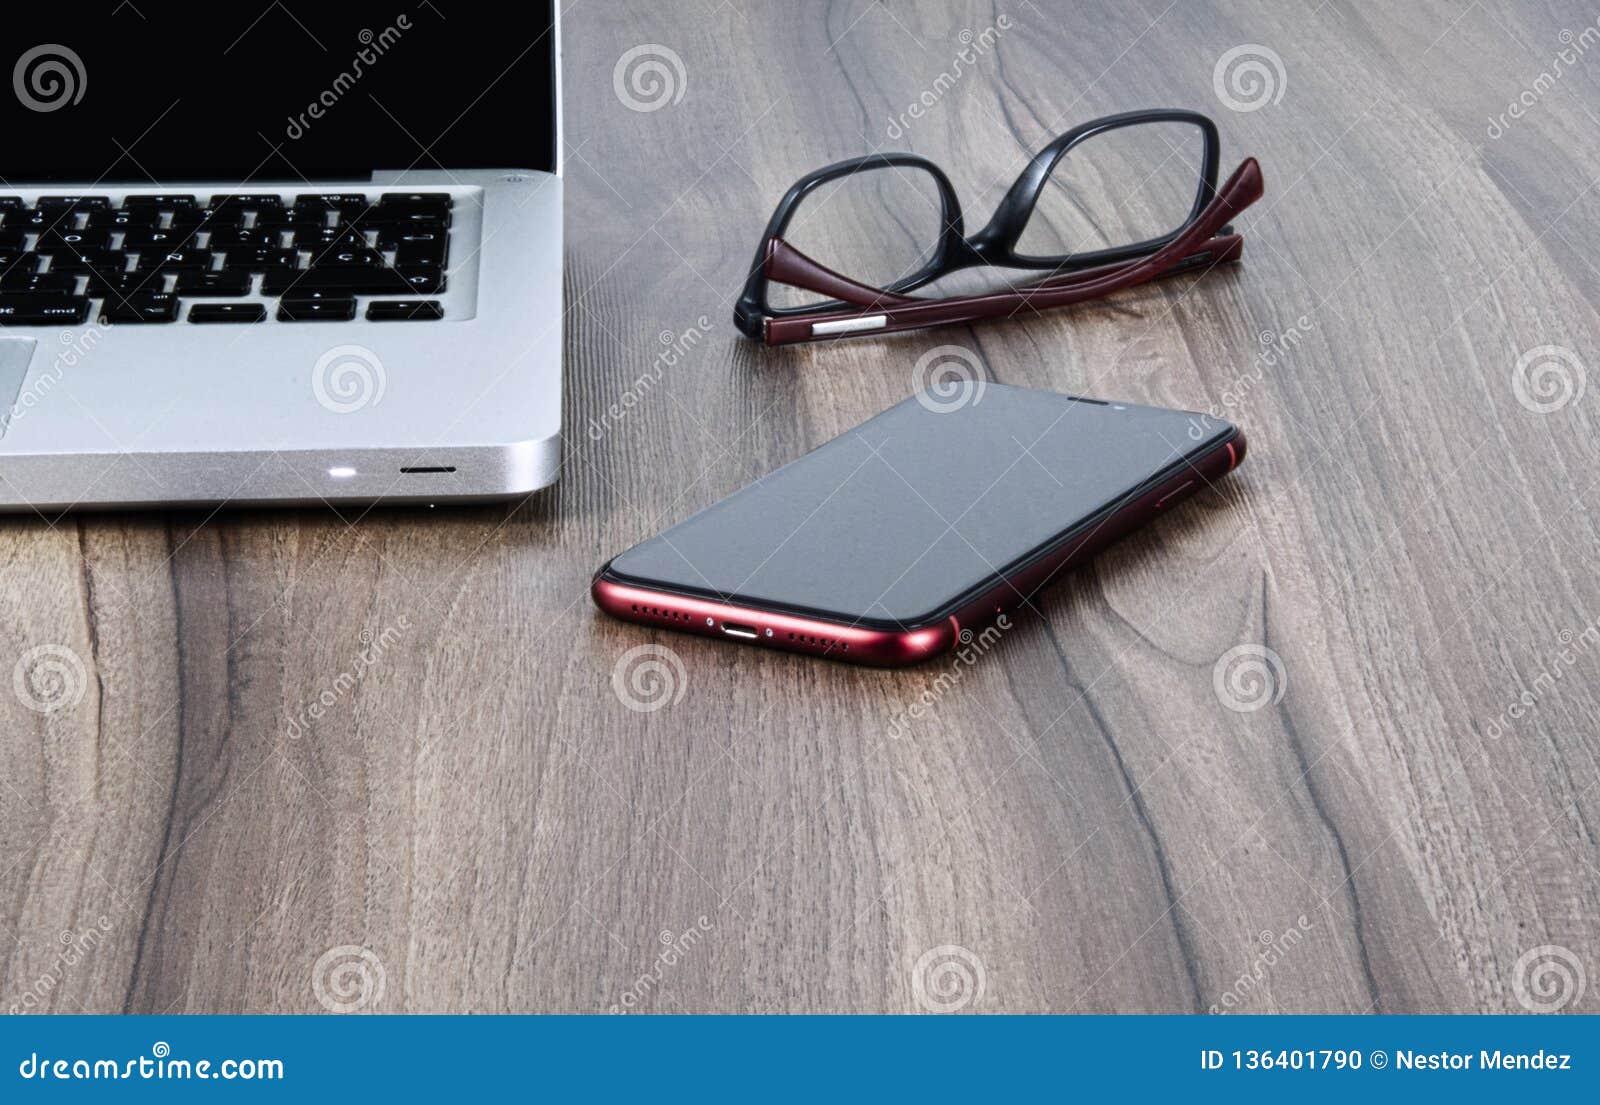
(1136, 200)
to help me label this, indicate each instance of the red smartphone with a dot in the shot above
(896, 540)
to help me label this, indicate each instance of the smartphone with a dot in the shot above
(898, 539)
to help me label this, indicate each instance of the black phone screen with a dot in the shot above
(896, 522)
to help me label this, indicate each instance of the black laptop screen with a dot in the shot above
(273, 90)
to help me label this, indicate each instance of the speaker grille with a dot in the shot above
(819, 642)
(657, 612)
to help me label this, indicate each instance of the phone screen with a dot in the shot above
(893, 523)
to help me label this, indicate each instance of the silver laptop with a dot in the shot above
(287, 253)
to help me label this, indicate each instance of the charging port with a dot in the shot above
(734, 629)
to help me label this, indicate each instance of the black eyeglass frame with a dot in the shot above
(996, 242)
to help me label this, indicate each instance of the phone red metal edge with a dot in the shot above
(902, 647)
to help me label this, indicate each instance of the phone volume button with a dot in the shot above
(1176, 491)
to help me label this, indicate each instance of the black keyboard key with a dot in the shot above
(11, 241)
(19, 262)
(244, 239)
(88, 261)
(11, 203)
(175, 259)
(41, 310)
(429, 256)
(246, 203)
(316, 310)
(35, 221)
(282, 218)
(422, 281)
(422, 201)
(396, 237)
(320, 238)
(206, 218)
(230, 284)
(337, 201)
(141, 307)
(227, 312)
(343, 258)
(350, 281)
(260, 260)
(159, 200)
(120, 285)
(135, 218)
(382, 216)
(151, 238)
(404, 310)
(65, 240)
(68, 203)
(39, 283)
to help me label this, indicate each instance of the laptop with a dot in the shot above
(294, 252)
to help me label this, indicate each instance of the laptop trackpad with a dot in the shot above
(15, 353)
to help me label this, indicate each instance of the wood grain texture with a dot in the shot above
(391, 739)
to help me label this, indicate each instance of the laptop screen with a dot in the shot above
(153, 92)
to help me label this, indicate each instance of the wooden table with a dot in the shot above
(381, 760)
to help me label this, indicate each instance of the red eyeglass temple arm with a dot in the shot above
(887, 312)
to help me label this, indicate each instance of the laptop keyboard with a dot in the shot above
(164, 258)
